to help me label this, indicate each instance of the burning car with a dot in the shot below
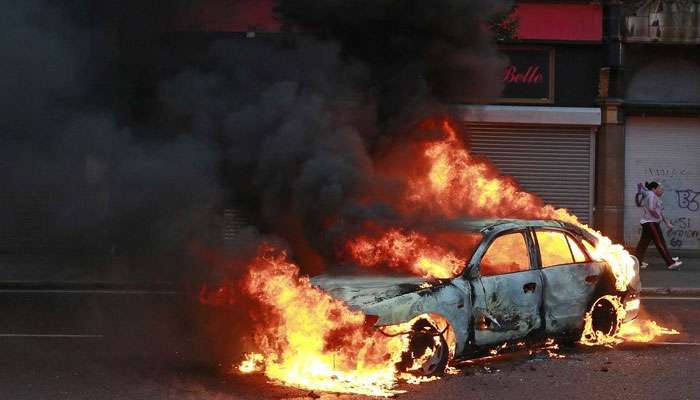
(525, 280)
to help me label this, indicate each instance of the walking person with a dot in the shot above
(649, 198)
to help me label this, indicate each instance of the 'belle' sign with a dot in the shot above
(529, 75)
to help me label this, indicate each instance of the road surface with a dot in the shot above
(137, 347)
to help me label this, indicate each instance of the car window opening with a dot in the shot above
(554, 248)
(507, 254)
(579, 255)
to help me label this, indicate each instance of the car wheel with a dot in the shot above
(605, 320)
(427, 353)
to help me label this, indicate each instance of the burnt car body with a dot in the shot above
(537, 295)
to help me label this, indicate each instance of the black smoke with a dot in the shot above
(293, 120)
(82, 174)
(421, 53)
(122, 138)
(301, 117)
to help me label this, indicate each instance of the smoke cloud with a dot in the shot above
(119, 143)
(124, 140)
(420, 53)
(81, 175)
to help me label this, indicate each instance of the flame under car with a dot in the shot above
(525, 279)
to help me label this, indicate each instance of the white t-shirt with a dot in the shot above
(653, 208)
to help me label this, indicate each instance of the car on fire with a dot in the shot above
(513, 289)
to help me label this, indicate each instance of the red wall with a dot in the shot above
(543, 21)
(548, 21)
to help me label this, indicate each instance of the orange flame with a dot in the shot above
(454, 183)
(633, 331)
(412, 250)
(252, 363)
(312, 341)
(459, 184)
(643, 331)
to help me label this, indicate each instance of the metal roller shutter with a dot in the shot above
(665, 150)
(554, 162)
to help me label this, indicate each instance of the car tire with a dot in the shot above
(423, 336)
(605, 317)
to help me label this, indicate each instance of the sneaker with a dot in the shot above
(675, 265)
(643, 265)
(675, 258)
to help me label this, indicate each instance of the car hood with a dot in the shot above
(363, 291)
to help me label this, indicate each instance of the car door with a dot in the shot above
(507, 289)
(570, 279)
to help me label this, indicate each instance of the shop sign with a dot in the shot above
(529, 75)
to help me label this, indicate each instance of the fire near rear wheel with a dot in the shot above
(605, 320)
(604, 316)
(427, 353)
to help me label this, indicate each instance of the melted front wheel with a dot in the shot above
(427, 353)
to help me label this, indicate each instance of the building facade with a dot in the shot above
(650, 92)
(598, 96)
(543, 128)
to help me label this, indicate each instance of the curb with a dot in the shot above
(671, 291)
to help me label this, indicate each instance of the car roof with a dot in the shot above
(497, 225)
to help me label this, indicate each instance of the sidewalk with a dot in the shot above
(657, 280)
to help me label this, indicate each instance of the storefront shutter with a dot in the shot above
(665, 150)
(554, 162)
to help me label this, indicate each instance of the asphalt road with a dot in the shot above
(49, 355)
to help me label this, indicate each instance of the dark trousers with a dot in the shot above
(651, 231)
